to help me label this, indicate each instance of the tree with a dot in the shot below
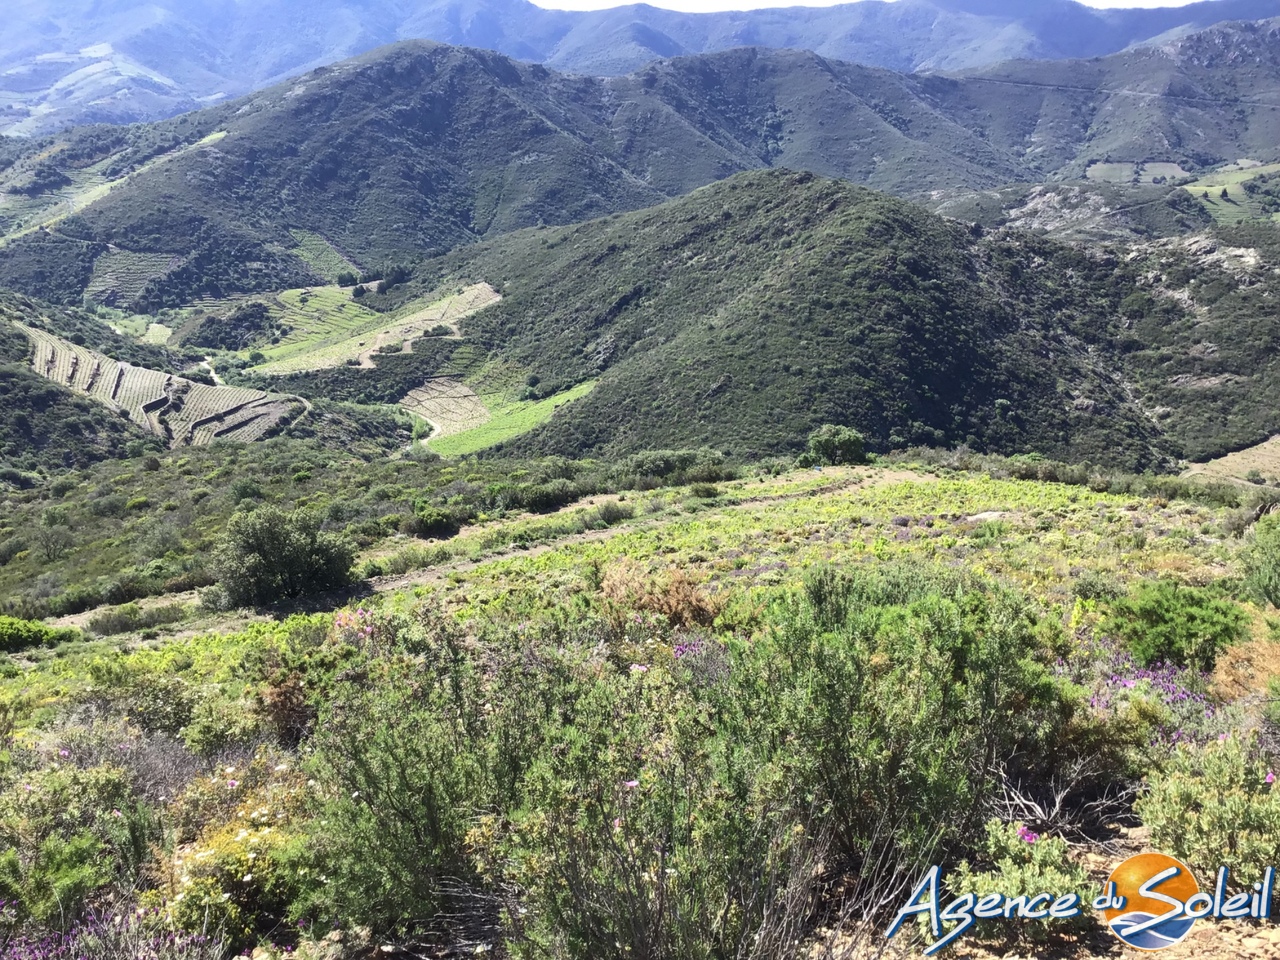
(832, 444)
(268, 555)
(1225, 195)
(53, 536)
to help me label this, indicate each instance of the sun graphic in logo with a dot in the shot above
(1137, 920)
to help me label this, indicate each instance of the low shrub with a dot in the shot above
(131, 617)
(17, 635)
(1017, 861)
(1163, 622)
(1261, 560)
(1216, 805)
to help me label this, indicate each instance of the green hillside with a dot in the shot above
(752, 310)
(419, 148)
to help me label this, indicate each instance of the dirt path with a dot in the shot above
(439, 574)
(843, 479)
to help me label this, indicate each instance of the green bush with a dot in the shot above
(637, 837)
(431, 521)
(1162, 621)
(67, 832)
(882, 695)
(1262, 561)
(1213, 806)
(1016, 862)
(833, 445)
(131, 617)
(402, 776)
(17, 635)
(268, 555)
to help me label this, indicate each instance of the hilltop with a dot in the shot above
(419, 148)
(81, 62)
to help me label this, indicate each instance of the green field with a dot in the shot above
(1128, 172)
(1238, 205)
(323, 256)
(509, 420)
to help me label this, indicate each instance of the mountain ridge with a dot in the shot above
(416, 148)
(145, 61)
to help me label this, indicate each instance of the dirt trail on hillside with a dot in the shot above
(843, 479)
(439, 574)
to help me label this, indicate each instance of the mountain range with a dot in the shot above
(79, 61)
(419, 147)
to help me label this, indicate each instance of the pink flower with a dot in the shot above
(232, 784)
(639, 668)
(64, 752)
(1027, 835)
(1271, 777)
(631, 784)
(617, 823)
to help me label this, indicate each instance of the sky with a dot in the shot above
(708, 6)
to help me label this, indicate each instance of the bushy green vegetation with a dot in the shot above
(268, 555)
(589, 751)
(1163, 622)
(1262, 561)
(18, 635)
(1217, 805)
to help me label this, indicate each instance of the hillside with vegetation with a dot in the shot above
(419, 148)
(747, 313)
(768, 657)
(455, 508)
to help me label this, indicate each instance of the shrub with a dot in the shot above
(626, 590)
(429, 520)
(1020, 862)
(1215, 806)
(67, 832)
(1162, 621)
(131, 617)
(832, 444)
(611, 512)
(637, 842)
(268, 555)
(885, 695)
(110, 936)
(1262, 561)
(402, 775)
(17, 635)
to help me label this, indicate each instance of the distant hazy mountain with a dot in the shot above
(64, 61)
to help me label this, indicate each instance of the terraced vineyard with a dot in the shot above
(120, 276)
(448, 404)
(329, 332)
(179, 410)
(1237, 205)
